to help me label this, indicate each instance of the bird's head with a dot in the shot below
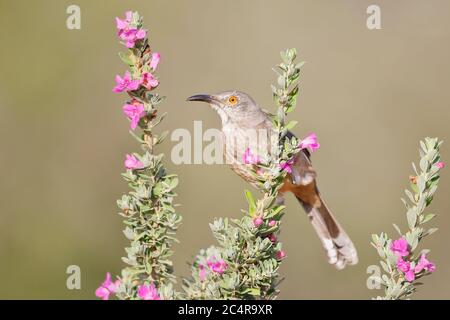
(230, 105)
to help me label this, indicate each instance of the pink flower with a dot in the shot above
(107, 287)
(124, 24)
(148, 292)
(201, 272)
(281, 254)
(125, 83)
(272, 223)
(249, 158)
(127, 32)
(410, 273)
(131, 36)
(424, 264)
(287, 165)
(257, 221)
(132, 163)
(400, 247)
(403, 265)
(148, 80)
(440, 165)
(410, 276)
(155, 60)
(273, 238)
(134, 111)
(217, 266)
(310, 143)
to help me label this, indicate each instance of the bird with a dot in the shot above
(246, 126)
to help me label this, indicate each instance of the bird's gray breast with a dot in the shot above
(240, 139)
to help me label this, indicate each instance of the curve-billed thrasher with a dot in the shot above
(246, 126)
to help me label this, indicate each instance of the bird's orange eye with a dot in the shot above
(232, 100)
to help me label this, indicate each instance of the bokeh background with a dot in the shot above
(369, 95)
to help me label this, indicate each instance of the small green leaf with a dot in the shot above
(412, 218)
(291, 124)
(385, 266)
(159, 139)
(427, 218)
(126, 59)
(173, 183)
(252, 291)
(430, 232)
(397, 229)
(375, 238)
(251, 203)
(300, 64)
(410, 196)
(421, 183)
(423, 164)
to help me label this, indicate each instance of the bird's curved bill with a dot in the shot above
(204, 98)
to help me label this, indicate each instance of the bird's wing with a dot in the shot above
(338, 245)
(303, 172)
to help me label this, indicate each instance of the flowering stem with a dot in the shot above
(150, 217)
(403, 265)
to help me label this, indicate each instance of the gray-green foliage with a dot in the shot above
(423, 187)
(252, 253)
(148, 209)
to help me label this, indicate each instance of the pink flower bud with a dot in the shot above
(440, 164)
(201, 272)
(273, 238)
(272, 223)
(257, 221)
(281, 254)
(155, 60)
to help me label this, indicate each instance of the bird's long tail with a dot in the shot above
(338, 246)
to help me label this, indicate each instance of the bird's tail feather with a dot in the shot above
(340, 249)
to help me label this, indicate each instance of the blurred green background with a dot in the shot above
(369, 95)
